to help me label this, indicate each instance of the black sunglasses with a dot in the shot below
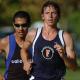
(22, 25)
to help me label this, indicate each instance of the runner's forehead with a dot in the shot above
(20, 20)
(50, 7)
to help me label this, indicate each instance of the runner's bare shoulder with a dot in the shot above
(31, 34)
(4, 42)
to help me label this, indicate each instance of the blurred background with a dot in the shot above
(70, 21)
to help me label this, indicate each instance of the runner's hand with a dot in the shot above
(28, 66)
(60, 49)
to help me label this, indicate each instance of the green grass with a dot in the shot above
(72, 75)
(2, 66)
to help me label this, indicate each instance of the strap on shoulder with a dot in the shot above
(37, 35)
(61, 37)
(12, 44)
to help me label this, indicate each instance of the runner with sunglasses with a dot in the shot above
(12, 45)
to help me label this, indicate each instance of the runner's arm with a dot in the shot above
(70, 58)
(24, 51)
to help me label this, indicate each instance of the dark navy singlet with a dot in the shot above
(48, 65)
(15, 69)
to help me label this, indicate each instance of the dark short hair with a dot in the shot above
(22, 14)
(51, 3)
